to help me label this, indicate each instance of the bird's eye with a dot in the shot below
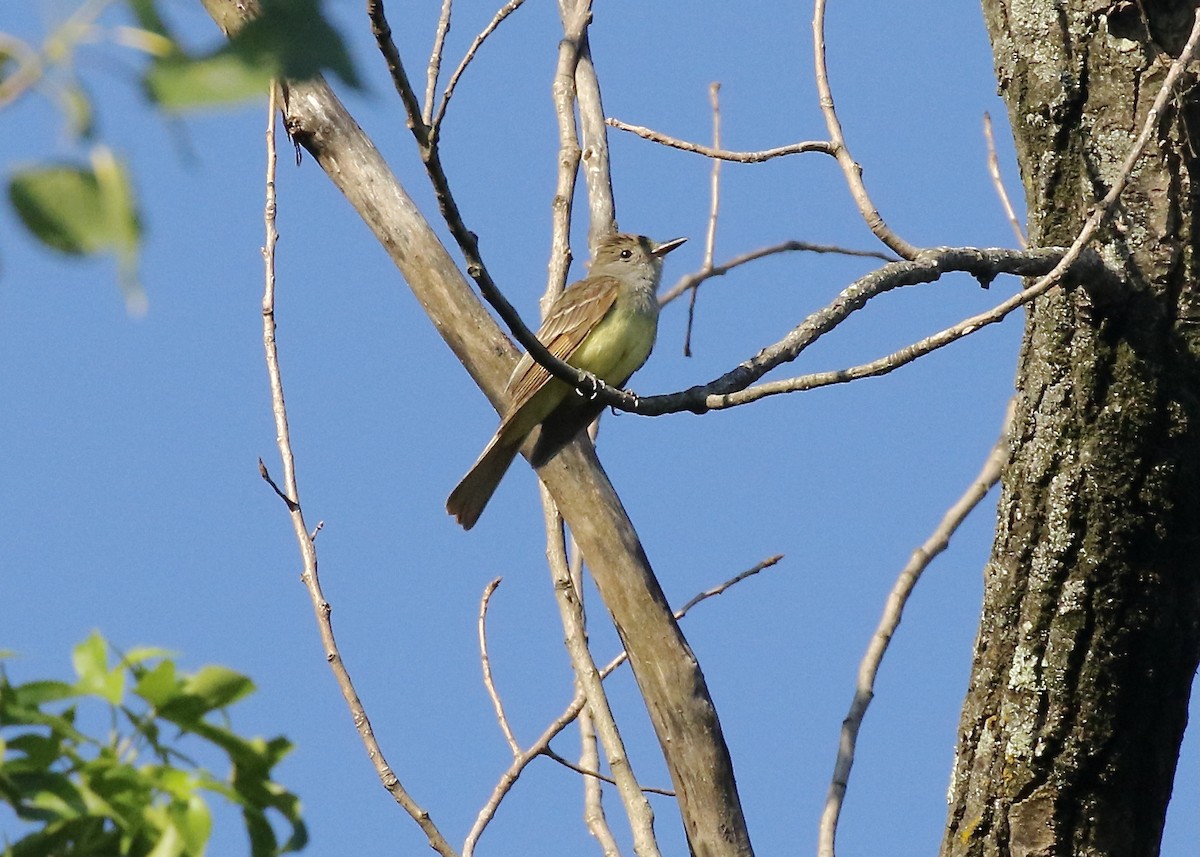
(626, 253)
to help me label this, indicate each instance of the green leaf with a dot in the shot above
(77, 109)
(170, 844)
(293, 39)
(194, 823)
(77, 210)
(178, 83)
(36, 752)
(146, 13)
(140, 654)
(61, 206)
(93, 799)
(218, 686)
(36, 693)
(158, 686)
(82, 211)
(290, 39)
(62, 726)
(90, 659)
(49, 796)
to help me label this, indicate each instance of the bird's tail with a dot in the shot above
(467, 500)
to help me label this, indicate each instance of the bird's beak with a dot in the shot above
(666, 247)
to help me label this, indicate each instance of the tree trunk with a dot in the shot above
(1090, 633)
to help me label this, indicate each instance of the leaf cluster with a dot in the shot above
(87, 205)
(133, 791)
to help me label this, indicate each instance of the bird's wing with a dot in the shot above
(572, 316)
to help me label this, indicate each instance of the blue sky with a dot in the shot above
(132, 504)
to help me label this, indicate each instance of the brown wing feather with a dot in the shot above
(578, 309)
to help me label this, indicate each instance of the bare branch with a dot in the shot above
(597, 175)
(678, 703)
(467, 241)
(714, 181)
(993, 163)
(589, 749)
(690, 281)
(719, 589)
(308, 551)
(575, 22)
(1048, 281)
(592, 774)
(486, 662)
(731, 388)
(710, 236)
(593, 793)
(869, 668)
(436, 121)
(570, 606)
(509, 778)
(850, 168)
(435, 63)
(573, 710)
(822, 146)
(382, 31)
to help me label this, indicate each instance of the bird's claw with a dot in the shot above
(590, 387)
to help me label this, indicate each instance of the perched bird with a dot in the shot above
(604, 324)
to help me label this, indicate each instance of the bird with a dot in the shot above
(604, 324)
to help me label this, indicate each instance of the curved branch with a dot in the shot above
(691, 281)
(822, 146)
(290, 493)
(868, 669)
(591, 682)
(468, 242)
(435, 121)
(727, 390)
(850, 168)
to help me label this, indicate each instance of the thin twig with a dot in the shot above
(467, 241)
(690, 281)
(593, 794)
(435, 63)
(382, 31)
(435, 120)
(987, 477)
(717, 590)
(714, 180)
(593, 134)
(509, 778)
(572, 711)
(714, 207)
(993, 162)
(733, 388)
(822, 146)
(868, 669)
(78, 27)
(1099, 215)
(486, 662)
(589, 747)
(308, 552)
(637, 808)
(266, 477)
(591, 774)
(850, 168)
(569, 151)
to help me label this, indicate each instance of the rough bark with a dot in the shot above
(1090, 633)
